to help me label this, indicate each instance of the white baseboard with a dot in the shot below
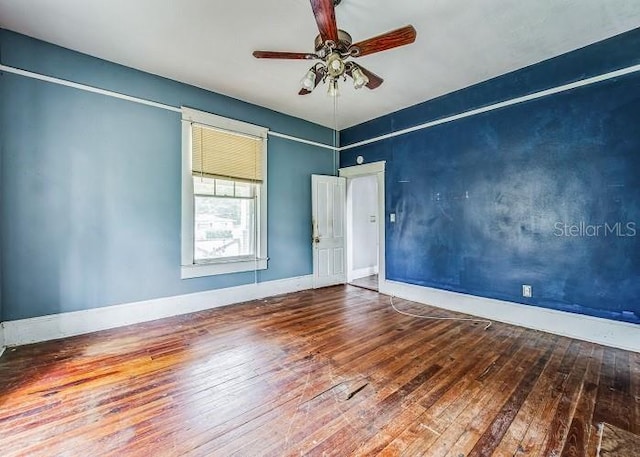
(51, 327)
(363, 272)
(607, 332)
(44, 328)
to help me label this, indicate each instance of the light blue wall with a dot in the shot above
(90, 201)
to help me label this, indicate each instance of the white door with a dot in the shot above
(328, 200)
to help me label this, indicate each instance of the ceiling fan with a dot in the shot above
(333, 48)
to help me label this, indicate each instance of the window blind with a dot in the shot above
(217, 153)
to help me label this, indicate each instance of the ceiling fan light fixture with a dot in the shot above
(359, 78)
(334, 47)
(308, 82)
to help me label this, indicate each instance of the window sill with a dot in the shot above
(212, 269)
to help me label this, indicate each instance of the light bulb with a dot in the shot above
(309, 81)
(333, 88)
(359, 78)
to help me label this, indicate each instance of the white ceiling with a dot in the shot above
(208, 43)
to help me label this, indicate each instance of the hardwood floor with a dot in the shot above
(328, 372)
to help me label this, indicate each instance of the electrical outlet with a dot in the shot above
(526, 291)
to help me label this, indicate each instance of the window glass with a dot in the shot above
(224, 188)
(245, 189)
(204, 186)
(224, 226)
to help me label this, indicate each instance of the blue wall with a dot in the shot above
(480, 202)
(90, 185)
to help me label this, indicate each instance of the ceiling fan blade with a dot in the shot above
(374, 80)
(283, 55)
(389, 40)
(325, 14)
(320, 72)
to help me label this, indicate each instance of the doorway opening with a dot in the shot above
(362, 222)
(365, 224)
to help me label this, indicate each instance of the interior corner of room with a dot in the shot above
(487, 191)
(511, 198)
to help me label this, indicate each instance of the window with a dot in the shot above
(224, 209)
(225, 215)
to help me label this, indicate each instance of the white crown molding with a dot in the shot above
(129, 98)
(55, 326)
(593, 329)
(500, 105)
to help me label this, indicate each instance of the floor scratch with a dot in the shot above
(295, 413)
(430, 429)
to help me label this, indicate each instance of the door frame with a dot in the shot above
(376, 169)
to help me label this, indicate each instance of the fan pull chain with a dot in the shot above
(335, 134)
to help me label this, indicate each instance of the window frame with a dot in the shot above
(188, 267)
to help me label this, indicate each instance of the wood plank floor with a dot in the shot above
(328, 372)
